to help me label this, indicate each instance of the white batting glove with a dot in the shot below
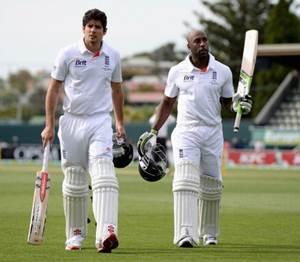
(245, 103)
(146, 142)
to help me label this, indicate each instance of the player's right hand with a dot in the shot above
(146, 142)
(47, 135)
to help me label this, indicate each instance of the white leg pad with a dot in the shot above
(105, 197)
(185, 192)
(209, 205)
(75, 198)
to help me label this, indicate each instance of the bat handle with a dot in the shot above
(46, 157)
(237, 121)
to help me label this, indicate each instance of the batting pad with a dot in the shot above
(209, 205)
(105, 197)
(185, 193)
(75, 197)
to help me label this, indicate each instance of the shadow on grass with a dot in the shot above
(223, 249)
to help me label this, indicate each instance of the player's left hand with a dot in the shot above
(120, 131)
(146, 142)
(245, 103)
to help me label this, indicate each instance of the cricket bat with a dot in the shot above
(247, 69)
(40, 202)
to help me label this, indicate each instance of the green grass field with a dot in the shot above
(260, 219)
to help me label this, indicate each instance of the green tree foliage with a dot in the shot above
(134, 114)
(226, 32)
(21, 81)
(2, 84)
(8, 103)
(275, 23)
(282, 26)
(164, 53)
(38, 100)
(8, 98)
(22, 95)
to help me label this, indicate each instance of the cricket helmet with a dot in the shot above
(122, 152)
(152, 166)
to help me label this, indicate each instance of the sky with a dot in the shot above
(33, 31)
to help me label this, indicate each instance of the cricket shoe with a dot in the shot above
(109, 243)
(209, 240)
(74, 243)
(186, 242)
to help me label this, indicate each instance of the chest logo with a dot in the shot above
(214, 75)
(80, 63)
(214, 78)
(188, 78)
(106, 63)
(106, 60)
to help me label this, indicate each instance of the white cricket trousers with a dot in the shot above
(202, 145)
(84, 138)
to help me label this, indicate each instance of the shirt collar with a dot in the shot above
(83, 49)
(191, 67)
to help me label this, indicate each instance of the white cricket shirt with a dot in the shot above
(87, 78)
(199, 92)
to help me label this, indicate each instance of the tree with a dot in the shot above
(2, 84)
(8, 98)
(275, 23)
(164, 53)
(37, 101)
(282, 26)
(226, 31)
(21, 81)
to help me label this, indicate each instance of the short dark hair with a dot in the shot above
(95, 14)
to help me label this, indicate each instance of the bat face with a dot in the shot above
(248, 62)
(39, 208)
(39, 203)
(250, 51)
(43, 185)
(247, 69)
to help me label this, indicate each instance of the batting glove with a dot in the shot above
(245, 103)
(146, 142)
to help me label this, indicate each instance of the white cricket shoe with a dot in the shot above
(209, 240)
(74, 243)
(186, 242)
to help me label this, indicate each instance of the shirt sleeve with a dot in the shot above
(117, 73)
(228, 90)
(171, 89)
(60, 69)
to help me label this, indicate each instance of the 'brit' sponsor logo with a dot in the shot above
(80, 63)
(187, 78)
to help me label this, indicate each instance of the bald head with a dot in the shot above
(194, 33)
(197, 43)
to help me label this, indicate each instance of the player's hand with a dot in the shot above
(47, 135)
(120, 131)
(245, 103)
(146, 142)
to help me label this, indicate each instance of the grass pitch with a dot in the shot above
(260, 219)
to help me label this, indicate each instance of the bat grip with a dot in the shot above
(237, 121)
(46, 157)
